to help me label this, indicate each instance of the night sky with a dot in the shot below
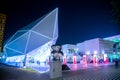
(79, 20)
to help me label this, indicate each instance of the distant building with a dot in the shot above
(2, 25)
(69, 51)
(96, 46)
(100, 47)
(115, 38)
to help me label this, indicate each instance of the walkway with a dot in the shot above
(100, 72)
(96, 73)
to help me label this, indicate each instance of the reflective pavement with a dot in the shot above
(98, 73)
(78, 72)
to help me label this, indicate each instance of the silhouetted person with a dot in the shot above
(116, 63)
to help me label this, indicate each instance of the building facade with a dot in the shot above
(2, 26)
(98, 47)
(33, 42)
(70, 51)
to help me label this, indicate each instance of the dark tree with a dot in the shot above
(116, 47)
(116, 10)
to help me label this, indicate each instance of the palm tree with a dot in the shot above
(116, 47)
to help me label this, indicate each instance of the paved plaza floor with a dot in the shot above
(78, 72)
(107, 72)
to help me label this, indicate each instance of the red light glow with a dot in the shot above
(74, 60)
(84, 59)
(94, 59)
(64, 60)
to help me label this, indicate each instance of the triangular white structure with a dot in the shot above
(35, 39)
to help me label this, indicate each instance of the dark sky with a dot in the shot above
(79, 20)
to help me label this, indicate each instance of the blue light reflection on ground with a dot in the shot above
(43, 68)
